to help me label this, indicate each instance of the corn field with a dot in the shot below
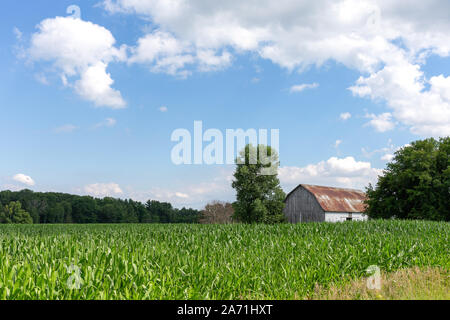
(207, 261)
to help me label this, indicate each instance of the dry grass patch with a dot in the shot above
(405, 284)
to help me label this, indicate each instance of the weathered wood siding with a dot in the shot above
(302, 206)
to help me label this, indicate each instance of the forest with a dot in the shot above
(54, 208)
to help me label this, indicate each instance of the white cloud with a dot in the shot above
(108, 122)
(18, 33)
(382, 122)
(165, 53)
(339, 172)
(103, 189)
(209, 60)
(402, 86)
(302, 87)
(163, 109)
(78, 48)
(181, 195)
(387, 153)
(41, 78)
(384, 42)
(66, 128)
(387, 157)
(95, 85)
(11, 187)
(345, 116)
(24, 179)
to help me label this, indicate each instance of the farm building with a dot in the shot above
(308, 203)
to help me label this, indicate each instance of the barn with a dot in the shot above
(308, 203)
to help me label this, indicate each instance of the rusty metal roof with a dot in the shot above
(338, 199)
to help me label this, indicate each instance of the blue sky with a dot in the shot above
(346, 83)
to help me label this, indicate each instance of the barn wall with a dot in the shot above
(302, 206)
(360, 217)
(342, 216)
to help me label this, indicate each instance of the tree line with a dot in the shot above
(27, 206)
(415, 185)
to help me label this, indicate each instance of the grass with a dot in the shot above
(405, 284)
(208, 261)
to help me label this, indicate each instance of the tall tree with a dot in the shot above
(415, 185)
(260, 198)
(3, 217)
(13, 213)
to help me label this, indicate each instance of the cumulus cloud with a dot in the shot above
(303, 87)
(24, 179)
(164, 53)
(95, 85)
(209, 60)
(163, 109)
(80, 49)
(387, 157)
(108, 122)
(41, 78)
(402, 86)
(387, 152)
(382, 122)
(103, 189)
(345, 116)
(387, 44)
(339, 172)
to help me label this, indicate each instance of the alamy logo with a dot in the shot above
(374, 280)
(75, 11)
(213, 147)
(75, 281)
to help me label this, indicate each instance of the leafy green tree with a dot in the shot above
(260, 198)
(185, 215)
(55, 213)
(34, 215)
(67, 212)
(131, 214)
(4, 219)
(415, 185)
(85, 210)
(13, 213)
(143, 215)
(162, 210)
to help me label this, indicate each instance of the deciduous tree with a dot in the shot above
(217, 212)
(13, 213)
(260, 198)
(415, 185)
